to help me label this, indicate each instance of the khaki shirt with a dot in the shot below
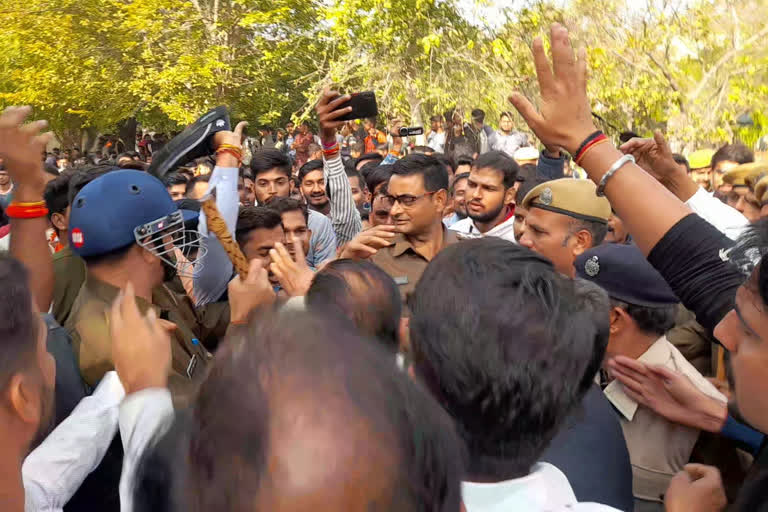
(657, 447)
(88, 325)
(404, 264)
(69, 276)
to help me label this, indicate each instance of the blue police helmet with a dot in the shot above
(106, 211)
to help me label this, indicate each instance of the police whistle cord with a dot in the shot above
(219, 228)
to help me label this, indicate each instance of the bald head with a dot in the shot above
(301, 414)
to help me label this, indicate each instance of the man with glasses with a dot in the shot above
(418, 193)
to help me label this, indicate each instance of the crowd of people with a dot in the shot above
(374, 322)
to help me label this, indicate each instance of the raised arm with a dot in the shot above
(21, 146)
(216, 270)
(344, 215)
(687, 251)
(565, 121)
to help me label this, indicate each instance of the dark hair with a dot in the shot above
(377, 175)
(84, 176)
(18, 320)
(528, 172)
(369, 156)
(627, 136)
(680, 159)
(464, 160)
(593, 299)
(200, 178)
(446, 160)
(598, 230)
(287, 204)
(174, 178)
(499, 338)
(501, 162)
(310, 166)
(255, 217)
(245, 173)
(358, 147)
(345, 387)
(268, 159)
(56, 194)
(435, 118)
(361, 292)
(478, 115)
(526, 186)
(458, 178)
(506, 114)
(352, 173)
(422, 149)
(313, 148)
(434, 174)
(655, 321)
(738, 153)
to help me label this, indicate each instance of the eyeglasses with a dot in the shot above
(407, 200)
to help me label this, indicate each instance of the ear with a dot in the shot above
(618, 319)
(145, 254)
(509, 195)
(441, 199)
(59, 222)
(24, 399)
(583, 241)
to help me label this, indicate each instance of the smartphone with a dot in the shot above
(363, 105)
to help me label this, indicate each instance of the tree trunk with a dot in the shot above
(414, 102)
(126, 131)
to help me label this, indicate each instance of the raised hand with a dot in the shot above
(249, 294)
(141, 344)
(565, 117)
(21, 146)
(669, 394)
(328, 111)
(295, 276)
(233, 138)
(368, 242)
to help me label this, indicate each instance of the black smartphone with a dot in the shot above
(363, 105)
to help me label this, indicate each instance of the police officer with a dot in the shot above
(127, 229)
(643, 309)
(565, 218)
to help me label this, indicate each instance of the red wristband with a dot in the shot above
(594, 142)
(17, 211)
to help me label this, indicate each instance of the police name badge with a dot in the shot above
(592, 267)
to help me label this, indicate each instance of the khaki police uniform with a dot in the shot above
(69, 276)
(658, 448)
(88, 325)
(404, 263)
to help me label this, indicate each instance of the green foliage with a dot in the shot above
(690, 68)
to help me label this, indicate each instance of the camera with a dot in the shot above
(405, 131)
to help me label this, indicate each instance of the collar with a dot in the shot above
(108, 293)
(544, 488)
(402, 244)
(657, 355)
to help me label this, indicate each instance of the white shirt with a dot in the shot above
(727, 220)
(54, 471)
(144, 416)
(546, 488)
(467, 229)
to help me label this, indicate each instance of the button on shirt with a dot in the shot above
(404, 264)
(658, 448)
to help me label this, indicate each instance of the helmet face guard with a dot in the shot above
(168, 239)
